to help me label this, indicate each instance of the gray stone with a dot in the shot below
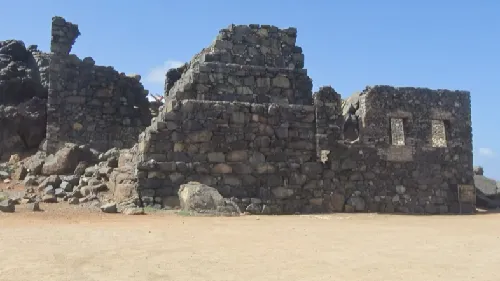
(30, 181)
(19, 173)
(312, 168)
(266, 210)
(237, 156)
(109, 208)
(7, 206)
(52, 180)
(34, 207)
(49, 190)
(71, 179)
(64, 161)
(281, 82)
(59, 193)
(86, 190)
(337, 202)
(357, 204)
(91, 171)
(199, 197)
(400, 189)
(133, 211)
(216, 157)
(74, 201)
(282, 192)
(478, 170)
(49, 198)
(4, 175)
(254, 208)
(66, 186)
(80, 168)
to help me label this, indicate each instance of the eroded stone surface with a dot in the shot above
(239, 119)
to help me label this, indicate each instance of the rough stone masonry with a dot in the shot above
(60, 98)
(241, 117)
(90, 104)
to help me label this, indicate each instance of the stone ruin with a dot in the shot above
(241, 117)
(60, 98)
(90, 104)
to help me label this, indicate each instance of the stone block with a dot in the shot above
(222, 169)
(216, 157)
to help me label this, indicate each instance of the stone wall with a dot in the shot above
(91, 104)
(243, 149)
(258, 45)
(257, 64)
(283, 150)
(417, 147)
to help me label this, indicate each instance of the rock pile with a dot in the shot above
(74, 174)
(23, 96)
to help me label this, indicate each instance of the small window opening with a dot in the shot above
(397, 131)
(438, 132)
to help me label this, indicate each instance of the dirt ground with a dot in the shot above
(71, 243)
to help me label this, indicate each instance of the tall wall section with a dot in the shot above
(256, 64)
(414, 150)
(90, 104)
(241, 118)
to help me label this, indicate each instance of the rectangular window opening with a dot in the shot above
(397, 131)
(438, 133)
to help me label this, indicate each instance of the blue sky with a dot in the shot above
(451, 44)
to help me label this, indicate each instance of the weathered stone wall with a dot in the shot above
(259, 45)
(415, 149)
(91, 104)
(243, 149)
(257, 64)
(284, 150)
(255, 84)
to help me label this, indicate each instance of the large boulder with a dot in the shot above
(7, 205)
(109, 208)
(22, 126)
(65, 160)
(23, 97)
(35, 163)
(201, 198)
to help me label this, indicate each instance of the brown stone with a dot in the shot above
(222, 169)
(20, 173)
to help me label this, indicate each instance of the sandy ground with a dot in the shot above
(68, 243)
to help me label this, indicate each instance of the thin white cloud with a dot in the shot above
(157, 74)
(487, 152)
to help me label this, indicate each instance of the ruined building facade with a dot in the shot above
(90, 104)
(241, 117)
(60, 98)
